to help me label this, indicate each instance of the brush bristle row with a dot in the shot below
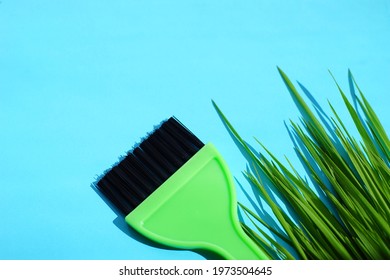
(149, 165)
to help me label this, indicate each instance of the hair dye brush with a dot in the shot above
(177, 191)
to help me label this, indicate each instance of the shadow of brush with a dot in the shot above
(121, 224)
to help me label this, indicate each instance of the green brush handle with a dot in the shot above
(196, 208)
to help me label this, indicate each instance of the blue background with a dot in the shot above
(82, 81)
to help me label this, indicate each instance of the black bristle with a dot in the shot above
(149, 165)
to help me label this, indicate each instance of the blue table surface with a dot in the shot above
(82, 81)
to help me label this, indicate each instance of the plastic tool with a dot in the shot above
(177, 191)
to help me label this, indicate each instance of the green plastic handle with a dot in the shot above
(196, 208)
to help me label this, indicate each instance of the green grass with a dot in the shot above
(348, 215)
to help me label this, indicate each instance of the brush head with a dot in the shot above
(128, 183)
